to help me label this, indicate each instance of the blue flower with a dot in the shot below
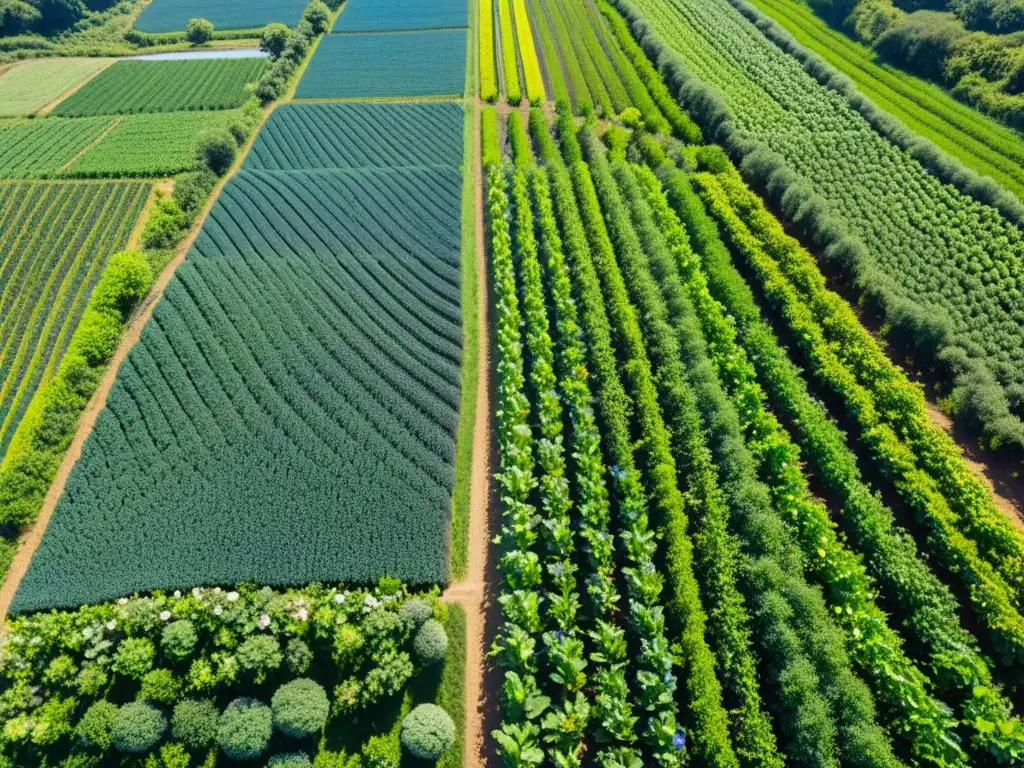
(679, 740)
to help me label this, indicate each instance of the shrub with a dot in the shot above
(60, 670)
(318, 15)
(297, 656)
(91, 679)
(290, 760)
(175, 756)
(178, 639)
(245, 728)
(414, 612)
(125, 281)
(191, 190)
(165, 226)
(631, 118)
(431, 642)
(194, 723)
(198, 31)
(217, 152)
(239, 132)
(300, 708)
(382, 752)
(138, 727)
(274, 38)
(259, 655)
(161, 686)
(135, 657)
(96, 726)
(428, 732)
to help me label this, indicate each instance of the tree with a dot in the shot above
(217, 152)
(319, 16)
(198, 31)
(274, 38)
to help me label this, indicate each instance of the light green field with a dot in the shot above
(27, 88)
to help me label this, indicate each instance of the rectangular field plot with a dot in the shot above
(289, 414)
(403, 64)
(31, 148)
(55, 238)
(28, 87)
(148, 145)
(173, 15)
(388, 15)
(359, 135)
(165, 86)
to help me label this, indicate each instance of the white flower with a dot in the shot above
(111, 624)
(218, 610)
(123, 601)
(302, 614)
(216, 590)
(36, 640)
(369, 600)
(177, 593)
(232, 596)
(195, 591)
(87, 633)
(165, 615)
(339, 598)
(264, 621)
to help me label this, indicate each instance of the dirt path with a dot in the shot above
(100, 137)
(33, 534)
(472, 592)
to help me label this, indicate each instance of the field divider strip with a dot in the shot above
(32, 536)
(100, 137)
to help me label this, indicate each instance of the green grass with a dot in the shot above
(29, 87)
(165, 86)
(513, 91)
(149, 145)
(976, 140)
(451, 693)
(470, 359)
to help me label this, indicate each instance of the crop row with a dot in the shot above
(687, 381)
(127, 87)
(296, 391)
(396, 15)
(953, 657)
(940, 258)
(303, 136)
(422, 63)
(55, 243)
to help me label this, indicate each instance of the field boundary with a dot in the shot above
(32, 536)
(44, 111)
(116, 121)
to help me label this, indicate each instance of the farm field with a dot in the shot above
(47, 273)
(31, 86)
(165, 86)
(601, 383)
(431, 63)
(978, 141)
(389, 15)
(149, 145)
(335, 333)
(173, 15)
(31, 148)
(306, 136)
(954, 259)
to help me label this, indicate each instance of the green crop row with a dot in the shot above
(892, 555)
(488, 73)
(510, 66)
